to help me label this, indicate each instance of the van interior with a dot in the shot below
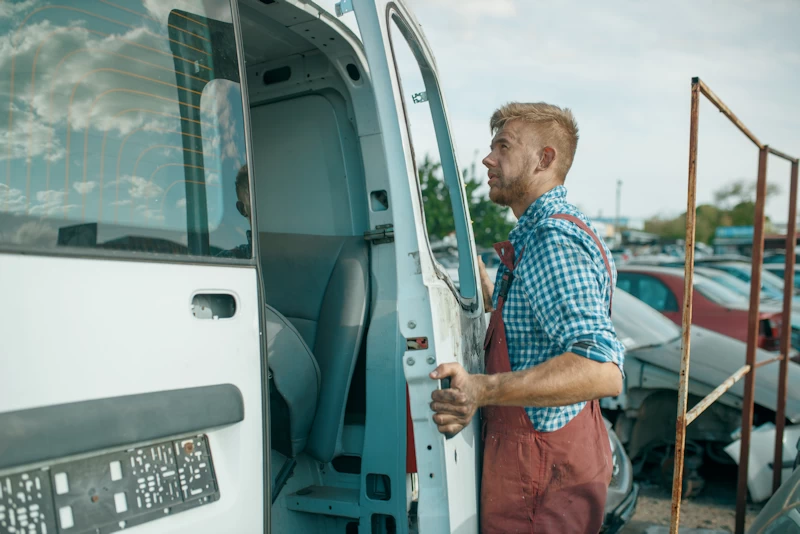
(311, 114)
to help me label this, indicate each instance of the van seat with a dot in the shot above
(321, 285)
(293, 387)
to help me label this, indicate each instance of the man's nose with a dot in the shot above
(489, 162)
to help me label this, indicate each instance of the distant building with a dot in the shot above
(733, 240)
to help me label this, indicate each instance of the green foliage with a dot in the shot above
(735, 206)
(490, 223)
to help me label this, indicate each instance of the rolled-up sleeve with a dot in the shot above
(569, 294)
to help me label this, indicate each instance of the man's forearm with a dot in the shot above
(487, 286)
(561, 381)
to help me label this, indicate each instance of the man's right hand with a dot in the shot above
(487, 286)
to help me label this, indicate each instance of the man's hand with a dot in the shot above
(487, 286)
(456, 406)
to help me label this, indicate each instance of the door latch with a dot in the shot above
(383, 233)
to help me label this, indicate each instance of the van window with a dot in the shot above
(125, 128)
(440, 185)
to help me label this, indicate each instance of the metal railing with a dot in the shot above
(749, 369)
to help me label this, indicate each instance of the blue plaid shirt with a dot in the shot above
(559, 300)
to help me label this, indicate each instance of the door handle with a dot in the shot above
(213, 306)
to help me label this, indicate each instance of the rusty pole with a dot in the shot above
(725, 110)
(786, 332)
(688, 292)
(712, 397)
(769, 361)
(752, 335)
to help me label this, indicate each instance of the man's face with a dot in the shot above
(510, 163)
(243, 205)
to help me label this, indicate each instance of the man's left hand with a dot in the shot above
(455, 406)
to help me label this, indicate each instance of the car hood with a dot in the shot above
(715, 357)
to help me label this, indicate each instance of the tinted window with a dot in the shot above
(648, 289)
(125, 127)
(639, 325)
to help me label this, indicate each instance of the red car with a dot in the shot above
(714, 306)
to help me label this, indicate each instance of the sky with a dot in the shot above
(625, 70)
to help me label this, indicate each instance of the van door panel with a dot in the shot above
(120, 339)
(428, 303)
(130, 324)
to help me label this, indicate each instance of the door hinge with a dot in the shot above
(345, 6)
(383, 233)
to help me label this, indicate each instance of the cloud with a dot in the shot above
(11, 200)
(150, 214)
(32, 233)
(212, 178)
(115, 82)
(181, 203)
(9, 9)
(137, 188)
(219, 97)
(30, 137)
(126, 202)
(141, 187)
(84, 188)
(51, 202)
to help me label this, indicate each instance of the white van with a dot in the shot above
(180, 357)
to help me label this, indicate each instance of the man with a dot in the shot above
(551, 349)
(243, 207)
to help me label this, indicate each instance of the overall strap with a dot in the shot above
(580, 224)
(506, 252)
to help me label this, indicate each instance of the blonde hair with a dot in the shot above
(555, 127)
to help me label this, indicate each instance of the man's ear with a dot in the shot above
(240, 207)
(547, 159)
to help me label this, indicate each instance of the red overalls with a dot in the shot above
(540, 482)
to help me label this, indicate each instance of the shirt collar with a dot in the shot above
(537, 211)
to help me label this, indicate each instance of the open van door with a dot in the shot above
(440, 314)
(132, 382)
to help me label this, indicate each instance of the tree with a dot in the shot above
(490, 222)
(735, 206)
(740, 192)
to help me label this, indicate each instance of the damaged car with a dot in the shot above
(644, 413)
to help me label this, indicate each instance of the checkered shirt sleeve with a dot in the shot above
(568, 297)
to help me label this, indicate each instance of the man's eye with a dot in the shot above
(504, 147)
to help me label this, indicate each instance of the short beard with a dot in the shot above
(509, 190)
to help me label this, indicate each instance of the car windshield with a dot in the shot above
(638, 325)
(768, 277)
(769, 281)
(740, 287)
(716, 292)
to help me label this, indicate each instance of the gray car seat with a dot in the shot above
(294, 382)
(321, 285)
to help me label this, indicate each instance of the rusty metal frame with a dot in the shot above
(748, 370)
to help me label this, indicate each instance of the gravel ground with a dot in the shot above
(713, 509)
